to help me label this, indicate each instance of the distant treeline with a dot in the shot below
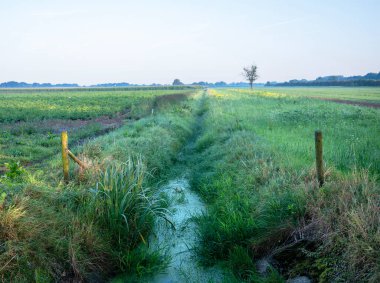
(179, 83)
(13, 84)
(87, 89)
(127, 85)
(224, 84)
(370, 79)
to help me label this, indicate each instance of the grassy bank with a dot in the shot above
(250, 155)
(254, 167)
(96, 227)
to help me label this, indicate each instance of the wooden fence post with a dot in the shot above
(319, 157)
(65, 156)
(76, 159)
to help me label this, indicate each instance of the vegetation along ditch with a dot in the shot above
(210, 186)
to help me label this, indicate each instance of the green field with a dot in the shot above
(255, 167)
(370, 94)
(248, 154)
(287, 123)
(24, 106)
(31, 120)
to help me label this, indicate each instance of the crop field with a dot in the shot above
(214, 185)
(367, 94)
(31, 120)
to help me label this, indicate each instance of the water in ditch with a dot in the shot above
(181, 240)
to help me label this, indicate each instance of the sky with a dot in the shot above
(146, 41)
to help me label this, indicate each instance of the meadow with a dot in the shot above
(287, 123)
(369, 94)
(249, 154)
(255, 168)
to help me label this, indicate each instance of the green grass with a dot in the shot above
(287, 125)
(96, 227)
(251, 159)
(254, 167)
(72, 105)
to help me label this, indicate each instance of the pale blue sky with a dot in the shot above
(156, 41)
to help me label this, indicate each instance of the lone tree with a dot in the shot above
(177, 82)
(250, 73)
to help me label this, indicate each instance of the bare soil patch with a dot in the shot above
(55, 126)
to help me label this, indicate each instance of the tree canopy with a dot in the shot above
(250, 73)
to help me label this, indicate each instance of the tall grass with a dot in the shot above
(123, 205)
(254, 167)
(124, 209)
(41, 236)
(286, 125)
(347, 216)
(93, 230)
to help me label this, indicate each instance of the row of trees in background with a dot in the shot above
(370, 79)
(177, 82)
(219, 84)
(13, 84)
(249, 73)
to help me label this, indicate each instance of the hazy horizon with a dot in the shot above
(90, 42)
